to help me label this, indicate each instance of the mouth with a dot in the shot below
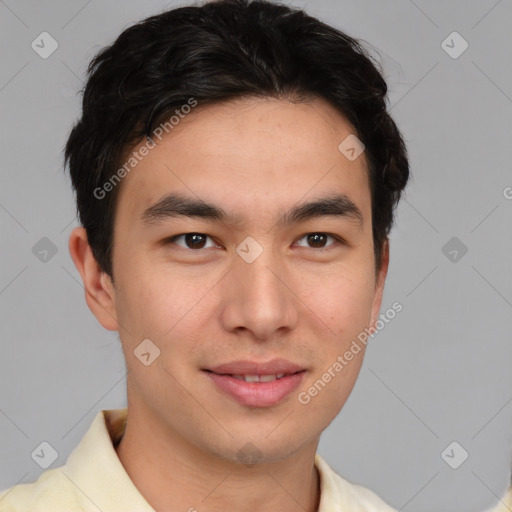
(243, 368)
(256, 389)
(256, 378)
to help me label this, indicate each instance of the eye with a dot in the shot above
(192, 241)
(318, 240)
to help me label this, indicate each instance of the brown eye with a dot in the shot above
(317, 240)
(192, 240)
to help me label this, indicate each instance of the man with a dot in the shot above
(236, 174)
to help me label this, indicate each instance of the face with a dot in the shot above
(262, 251)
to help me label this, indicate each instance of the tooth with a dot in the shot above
(259, 378)
(267, 378)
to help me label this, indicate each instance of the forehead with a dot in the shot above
(246, 152)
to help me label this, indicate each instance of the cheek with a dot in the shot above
(161, 305)
(327, 390)
(343, 301)
(144, 302)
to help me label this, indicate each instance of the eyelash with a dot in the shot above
(338, 240)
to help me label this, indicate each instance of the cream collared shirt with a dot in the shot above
(93, 479)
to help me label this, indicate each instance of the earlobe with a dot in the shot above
(98, 287)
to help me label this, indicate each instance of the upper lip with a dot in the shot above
(241, 367)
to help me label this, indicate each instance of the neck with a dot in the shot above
(173, 474)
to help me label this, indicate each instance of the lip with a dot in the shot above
(257, 394)
(244, 367)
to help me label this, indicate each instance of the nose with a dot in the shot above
(259, 298)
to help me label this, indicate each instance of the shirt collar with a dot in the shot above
(96, 470)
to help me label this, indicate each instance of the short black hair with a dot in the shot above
(216, 52)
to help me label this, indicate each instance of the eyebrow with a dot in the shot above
(177, 205)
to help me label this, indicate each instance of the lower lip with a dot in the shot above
(257, 394)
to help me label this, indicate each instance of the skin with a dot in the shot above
(202, 307)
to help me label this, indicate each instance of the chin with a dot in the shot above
(260, 450)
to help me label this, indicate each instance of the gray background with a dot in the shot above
(438, 373)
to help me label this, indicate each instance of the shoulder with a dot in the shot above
(50, 488)
(338, 493)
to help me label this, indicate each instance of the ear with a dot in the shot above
(379, 283)
(99, 289)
